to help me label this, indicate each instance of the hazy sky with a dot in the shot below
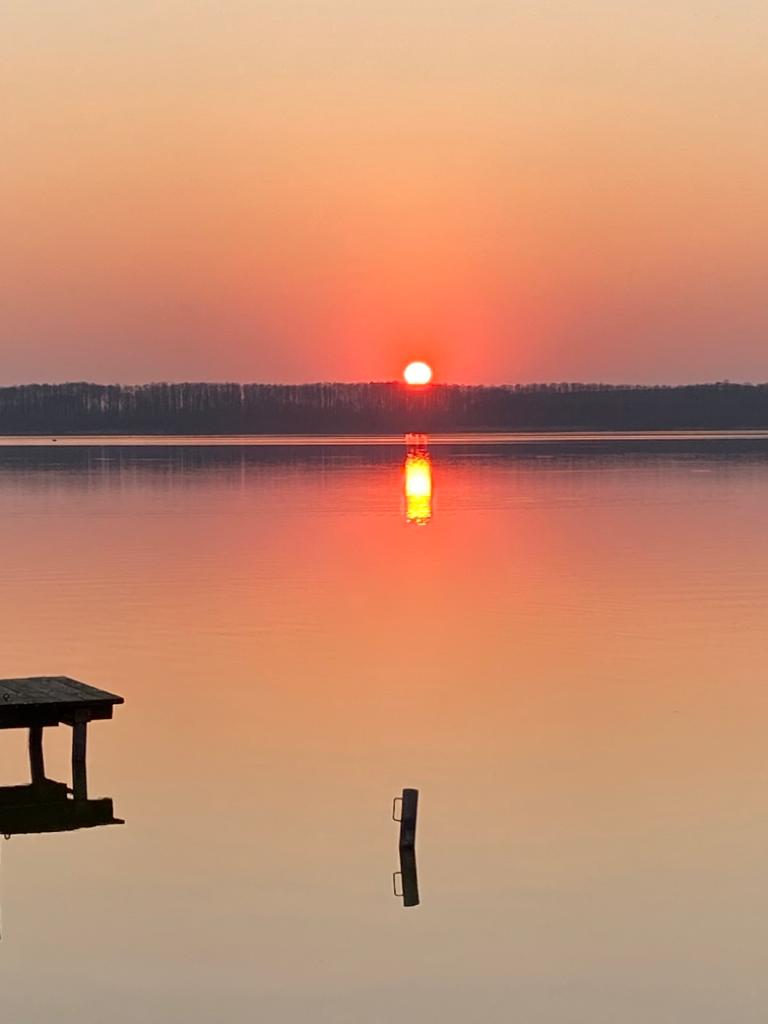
(293, 190)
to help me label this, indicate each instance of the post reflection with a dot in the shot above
(418, 480)
(405, 882)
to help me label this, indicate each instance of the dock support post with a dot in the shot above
(79, 775)
(36, 756)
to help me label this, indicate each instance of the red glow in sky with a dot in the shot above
(552, 217)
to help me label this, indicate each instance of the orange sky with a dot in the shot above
(301, 190)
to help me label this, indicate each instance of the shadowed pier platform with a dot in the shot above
(40, 702)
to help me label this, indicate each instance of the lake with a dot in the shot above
(562, 646)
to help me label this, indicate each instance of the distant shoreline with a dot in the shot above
(383, 409)
(552, 438)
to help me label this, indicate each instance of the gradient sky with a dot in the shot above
(297, 190)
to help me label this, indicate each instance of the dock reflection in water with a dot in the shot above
(418, 480)
(48, 807)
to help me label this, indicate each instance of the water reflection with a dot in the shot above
(44, 805)
(47, 806)
(408, 878)
(418, 480)
(621, 803)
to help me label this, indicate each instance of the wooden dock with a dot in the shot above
(41, 702)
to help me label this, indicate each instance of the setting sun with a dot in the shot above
(417, 374)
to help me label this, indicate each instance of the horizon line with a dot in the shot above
(393, 381)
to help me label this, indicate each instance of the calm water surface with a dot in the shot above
(565, 650)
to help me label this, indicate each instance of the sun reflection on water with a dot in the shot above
(418, 480)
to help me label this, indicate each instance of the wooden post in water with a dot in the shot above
(409, 806)
(408, 812)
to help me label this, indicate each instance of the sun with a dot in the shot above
(417, 374)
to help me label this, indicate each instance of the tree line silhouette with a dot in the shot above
(375, 408)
